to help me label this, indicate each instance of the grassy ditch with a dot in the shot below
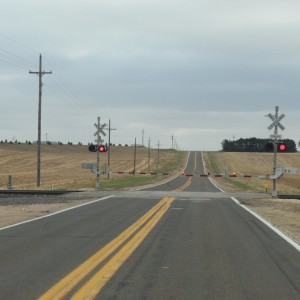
(219, 163)
(173, 162)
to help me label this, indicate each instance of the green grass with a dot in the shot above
(213, 164)
(174, 162)
(234, 182)
(238, 184)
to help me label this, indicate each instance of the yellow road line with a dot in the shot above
(68, 283)
(98, 281)
(189, 181)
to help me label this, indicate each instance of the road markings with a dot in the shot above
(184, 186)
(56, 212)
(140, 229)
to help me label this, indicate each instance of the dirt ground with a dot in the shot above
(13, 214)
(282, 213)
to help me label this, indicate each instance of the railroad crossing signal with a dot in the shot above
(102, 148)
(276, 123)
(100, 129)
(281, 147)
(95, 148)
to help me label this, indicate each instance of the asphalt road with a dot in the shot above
(180, 240)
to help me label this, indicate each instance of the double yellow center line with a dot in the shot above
(87, 280)
(74, 285)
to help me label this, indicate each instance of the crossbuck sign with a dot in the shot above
(276, 123)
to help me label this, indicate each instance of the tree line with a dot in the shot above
(255, 145)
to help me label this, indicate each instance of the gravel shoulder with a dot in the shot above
(17, 209)
(282, 213)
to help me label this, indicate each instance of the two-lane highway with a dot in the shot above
(178, 240)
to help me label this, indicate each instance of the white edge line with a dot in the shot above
(55, 213)
(271, 226)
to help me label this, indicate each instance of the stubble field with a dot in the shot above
(61, 165)
(253, 164)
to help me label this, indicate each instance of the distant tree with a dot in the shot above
(254, 145)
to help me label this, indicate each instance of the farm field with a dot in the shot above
(61, 166)
(245, 163)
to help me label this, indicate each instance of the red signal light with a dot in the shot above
(102, 148)
(282, 147)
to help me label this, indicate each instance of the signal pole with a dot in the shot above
(275, 137)
(98, 140)
(40, 73)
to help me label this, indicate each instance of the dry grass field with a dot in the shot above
(253, 164)
(61, 164)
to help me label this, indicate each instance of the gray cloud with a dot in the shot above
(201, 70)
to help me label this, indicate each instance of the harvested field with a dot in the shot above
(253, 164)
(61, 164)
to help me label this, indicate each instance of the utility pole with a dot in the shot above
(149, 155)
(172, 141)
(108, 153)
(134, 156)
(157, 166)
(40, 73)
(143, 131)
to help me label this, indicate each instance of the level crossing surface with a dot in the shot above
(183, 239)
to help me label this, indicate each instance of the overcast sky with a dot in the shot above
(200, 70)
